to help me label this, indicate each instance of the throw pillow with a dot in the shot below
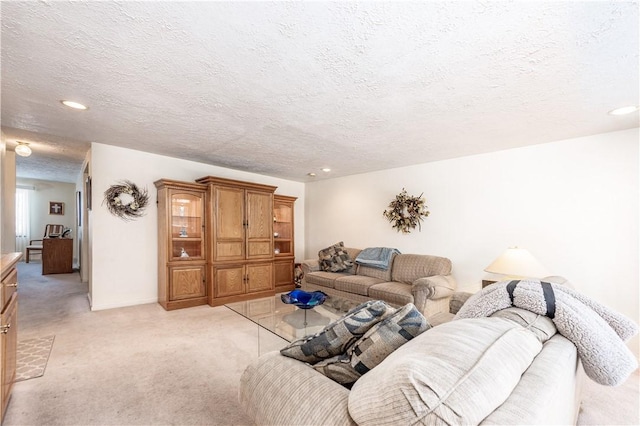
(336, 337)
(387, 336)
(338, 369)
(376, 344)
(334, 258)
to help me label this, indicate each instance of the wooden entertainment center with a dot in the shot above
(222, 241)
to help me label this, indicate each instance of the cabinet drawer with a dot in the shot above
(9, 286)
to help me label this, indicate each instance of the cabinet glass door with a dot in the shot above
(187, 240)
(283, 228)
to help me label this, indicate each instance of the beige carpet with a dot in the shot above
(32, 357)
(141, 365)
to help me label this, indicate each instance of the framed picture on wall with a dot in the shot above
(56, 207)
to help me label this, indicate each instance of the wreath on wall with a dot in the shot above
(406, 212)
(126, 200)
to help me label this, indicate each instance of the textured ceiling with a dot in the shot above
(286, 88)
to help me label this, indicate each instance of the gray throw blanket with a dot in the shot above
(597, 332)
(376, 257)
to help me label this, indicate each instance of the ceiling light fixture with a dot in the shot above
(311, 174)
(22, 149)
(74, 105)
(624, 110)
(326, 169)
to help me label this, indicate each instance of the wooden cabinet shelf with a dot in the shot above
(182, 274)
(283, 212)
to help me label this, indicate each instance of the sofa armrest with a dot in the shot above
(270, 384)
(431, 294)
(434, 287)
(310, 265)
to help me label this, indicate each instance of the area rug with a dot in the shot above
(33, 355)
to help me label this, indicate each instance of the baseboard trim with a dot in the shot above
(99, 307)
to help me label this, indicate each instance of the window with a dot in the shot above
(22, 213)
(23, 234)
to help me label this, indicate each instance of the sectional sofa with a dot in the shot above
(511, 368)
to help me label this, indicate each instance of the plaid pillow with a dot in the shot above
(336, 338)
(334, 258)
(371, 349)
(387, 336)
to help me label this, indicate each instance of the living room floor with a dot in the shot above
(144, 365)
(133, 365)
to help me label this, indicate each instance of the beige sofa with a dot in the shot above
(492, 371)
(423, 280)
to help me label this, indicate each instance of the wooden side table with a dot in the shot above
(57, 256)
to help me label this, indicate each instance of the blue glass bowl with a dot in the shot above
(303, 299)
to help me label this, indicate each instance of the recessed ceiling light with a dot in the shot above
(22, 149)
(74, 105)
(624, 110)
(326, 170)
(311, 174)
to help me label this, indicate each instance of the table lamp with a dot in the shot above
(516, 263)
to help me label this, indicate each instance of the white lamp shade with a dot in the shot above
(517, 262)
(22, 150)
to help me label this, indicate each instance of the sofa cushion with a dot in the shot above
(336, 337)
(393, 292)
(381, 340)
(325, 279)
(455, 373)
(334, 258)
(542, 326)
(357, 284)
(409, 267)
(381, 274)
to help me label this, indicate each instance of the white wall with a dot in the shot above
(573, 204)
(124, 254)
(9, 202)
(44, 192)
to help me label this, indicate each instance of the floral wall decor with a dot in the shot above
(406, 211)
(125, 200)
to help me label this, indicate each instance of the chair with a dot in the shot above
(50, 231)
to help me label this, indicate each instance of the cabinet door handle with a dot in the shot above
(4, 329)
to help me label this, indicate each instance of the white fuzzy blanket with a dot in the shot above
(597, 332)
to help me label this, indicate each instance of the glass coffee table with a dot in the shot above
(279, 323)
